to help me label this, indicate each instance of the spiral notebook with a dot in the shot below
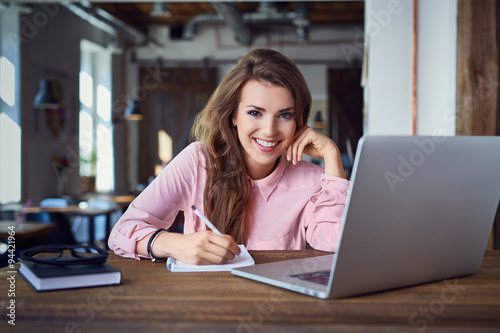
(244, 259)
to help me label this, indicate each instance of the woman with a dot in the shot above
(245, 173)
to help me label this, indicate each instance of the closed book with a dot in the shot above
(43, 277)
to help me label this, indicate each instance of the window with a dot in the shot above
(95, 125)
(10, 110)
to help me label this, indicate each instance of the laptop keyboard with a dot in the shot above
(320, 277)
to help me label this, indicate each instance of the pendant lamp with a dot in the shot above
(45, 98)
(133, 112)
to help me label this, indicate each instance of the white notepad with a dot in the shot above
(244, 259)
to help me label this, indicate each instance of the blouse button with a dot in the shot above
(325, 182)
(114, 235)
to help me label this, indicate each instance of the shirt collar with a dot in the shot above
(268, 184)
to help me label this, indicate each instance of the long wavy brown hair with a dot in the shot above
(227, 195)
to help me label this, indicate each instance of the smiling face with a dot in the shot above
(265, 122)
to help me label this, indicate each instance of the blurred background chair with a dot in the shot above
(81, 224)
(62, 235)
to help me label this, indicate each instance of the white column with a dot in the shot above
(437, 67)
(388, 88)
(389, 74)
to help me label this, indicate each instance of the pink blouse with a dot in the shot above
(294, 204)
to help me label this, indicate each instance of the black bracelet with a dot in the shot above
(150, 244)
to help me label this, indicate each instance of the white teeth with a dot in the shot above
(266, 144)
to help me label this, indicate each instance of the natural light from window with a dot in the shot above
(104, 177)
(96, 126)
(86, 89)
(7, 81)
(10, 107)
(165, 146)
(86, 144)
(103, 103)
(10, 157)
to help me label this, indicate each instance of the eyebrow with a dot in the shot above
(291, 108)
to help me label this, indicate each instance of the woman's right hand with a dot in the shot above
(199, 248)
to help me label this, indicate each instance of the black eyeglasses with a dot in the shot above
(65, 255)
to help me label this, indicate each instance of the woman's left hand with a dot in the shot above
(310, 142)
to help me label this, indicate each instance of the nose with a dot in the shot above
(270, 126)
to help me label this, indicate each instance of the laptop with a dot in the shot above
(419, 209)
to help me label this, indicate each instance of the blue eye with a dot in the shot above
(254, 113)
(286, 115)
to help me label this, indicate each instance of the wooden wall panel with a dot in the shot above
(171, 106)
(478, 73)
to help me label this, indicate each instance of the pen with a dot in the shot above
(207, 221)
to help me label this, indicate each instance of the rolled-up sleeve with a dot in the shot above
(157, 206)
(133, 226)
(324, 212)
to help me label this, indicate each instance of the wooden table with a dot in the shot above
(151, 299)
(91, 213)
(30, 229)
(122, 200)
